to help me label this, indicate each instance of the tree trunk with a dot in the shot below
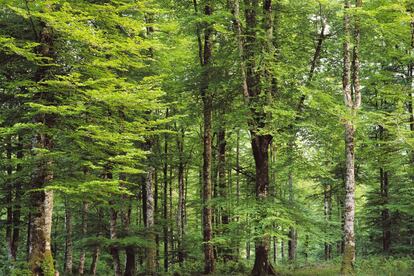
(69, 243)
(181, 202)
(385, 213)
(9, 200)
(113, 232)
(292, 232)
(95, 258)
(17, 203)
(327, 213)
(260, 145)
(84, 227)
(113, 215)
(151, 251)
(205, 52)
(352, 102)
(165, 200)
(221, 168)
(41, 200)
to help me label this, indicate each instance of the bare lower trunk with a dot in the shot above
(69, 244)
(181, 202)
(41, 260)
(9, 201)
(385, 213)
(41, 200)
(327, 213)
(260, 146)
(95, 258)
(130, 261)
(17, 205)
(81, 269)
(151, 251)
(292, 232)
(165, 201)
(353, 103)
(349, 234)
(113, 249)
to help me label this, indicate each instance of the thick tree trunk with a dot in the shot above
(260, 146)
(41, 200)
(69, 242)
(353, 103)
(41, 260)
(84, 226)
(349, 234)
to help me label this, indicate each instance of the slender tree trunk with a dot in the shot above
(9, 200)
(165, 200)
(69, 243)
(205, 52)
(94, 263)
(181, 202)
(151, 251)
(327, 214)
(113, 215)
(84, 226)
(17, 204)
(130, 264)
(113, 231)
(221, 168)
(292, 232)
(170, 215)
(385, 213)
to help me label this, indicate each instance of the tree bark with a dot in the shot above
(9, 199)
(181, 202)
(113, 215)
(41, 200)
(385, 213)
(69, 242)
(94, 263)
(151, 251)
(17, 203)
(352, 102)
(327, 213)
(165, 200)
(260, 142)
(84, 226)
(205, 52)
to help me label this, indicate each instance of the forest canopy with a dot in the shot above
(215, 137)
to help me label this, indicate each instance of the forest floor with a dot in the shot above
(374, 266)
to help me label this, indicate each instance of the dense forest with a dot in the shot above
(218, 137)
